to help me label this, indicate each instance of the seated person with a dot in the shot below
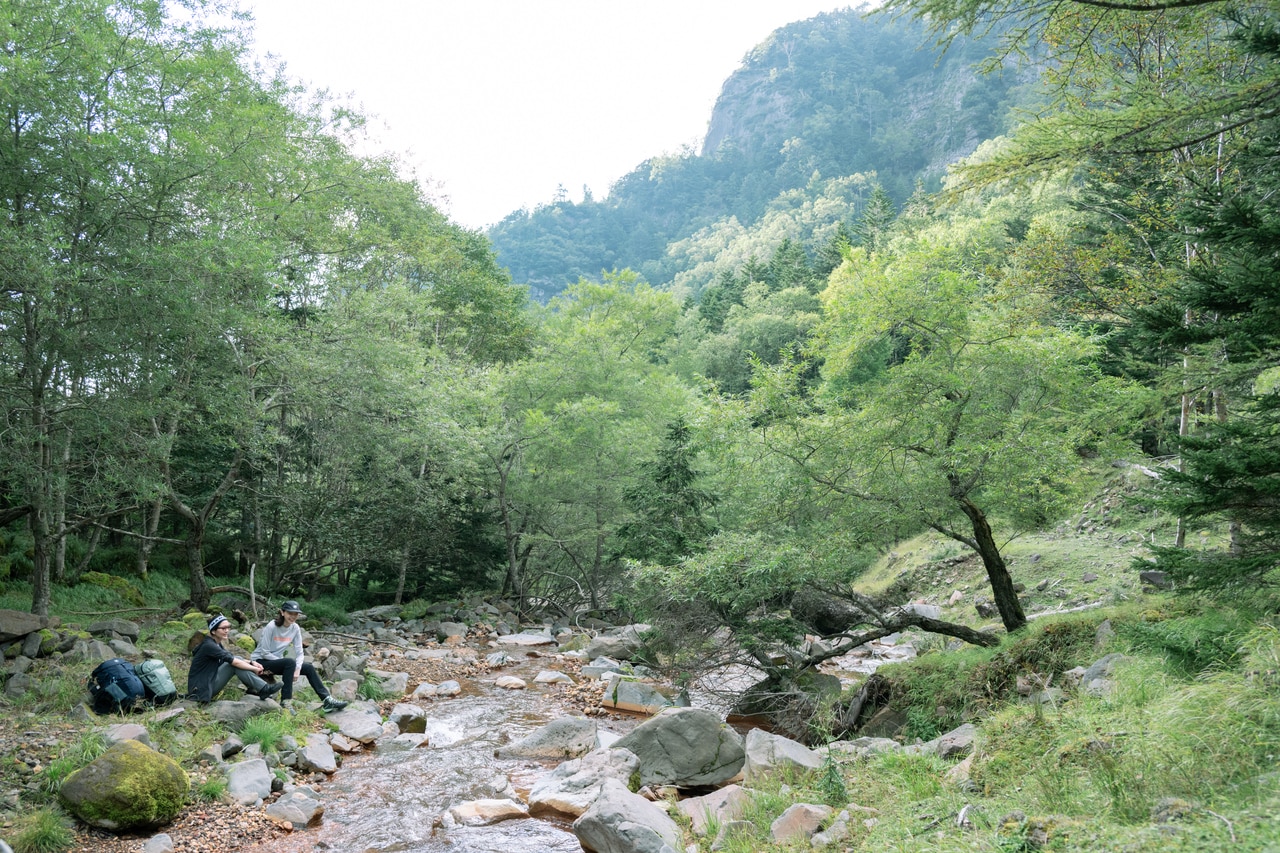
(212, 666)
(281, 635)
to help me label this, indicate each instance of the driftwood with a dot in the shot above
(126, 610)
(835, 615)
(358, 638)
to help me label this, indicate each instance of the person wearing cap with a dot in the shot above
(212, 665)
(282, 635)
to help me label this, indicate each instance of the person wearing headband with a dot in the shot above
(212, 666)
(281, 635)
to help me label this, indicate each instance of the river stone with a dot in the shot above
(249, 781)
(719, 807)
(445, 630)
(234, 714)
(958, 742)
(635, 696)
(769, 753)
(510, 682)
(317, 755)
(618, 643)
(123, 648)
(360, 722)
(344, 689)
(126, 731)
(688, 747)
(93, 651)
(599, 666)
(526, 639)
(406, 741)
(563, 737)
(425, 690)
(574, 785)
(162, 843)
(486, 812)
(622, 822)
(448, 688)
(14, 625)
(408, 718)
(130, 786)
(550, 676)
(297, 809)
(115, 627)
(800, 821)
(393, 683)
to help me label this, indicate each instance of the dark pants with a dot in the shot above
(284, 668)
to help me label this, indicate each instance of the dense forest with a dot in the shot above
(235, 350)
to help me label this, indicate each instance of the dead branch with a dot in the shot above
(359, 638)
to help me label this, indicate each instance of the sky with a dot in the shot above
(496, 104)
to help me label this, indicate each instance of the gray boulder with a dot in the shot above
(14, 625)
(802, 820)
(769, 753)
(297, 808)
(564, 737)
(130, 786)
(409, 718)
(622, 822)
(234, 714)
(719, 807)
(574, 785)
(687, 747)
(617, 643)
(317, 755)
(249, 781)
(115, 628)
(360, 722)
(634, 696)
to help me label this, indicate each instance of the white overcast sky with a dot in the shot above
(497, 103)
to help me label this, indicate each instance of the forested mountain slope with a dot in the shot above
(831, 96)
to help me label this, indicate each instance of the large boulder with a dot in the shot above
(769, 753)
(617, 643)
(688, 747)
(14, 625)
(563, 737)
(622, 822)
(574, 785)
(130, 786)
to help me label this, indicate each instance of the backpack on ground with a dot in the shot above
(156, 681)
(114, 686)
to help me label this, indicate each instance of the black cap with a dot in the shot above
(291, 607)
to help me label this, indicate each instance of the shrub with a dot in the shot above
(266, 730)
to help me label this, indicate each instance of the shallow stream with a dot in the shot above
(389, 800)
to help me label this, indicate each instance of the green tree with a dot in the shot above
(668, 506)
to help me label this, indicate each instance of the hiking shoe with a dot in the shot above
(331, 704)
(270, 690)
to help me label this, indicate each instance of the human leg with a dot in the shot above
(313, 678)
(256, 685)
(284, 668)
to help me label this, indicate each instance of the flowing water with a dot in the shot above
(390, 800)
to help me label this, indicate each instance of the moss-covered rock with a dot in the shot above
(121, 587)
(48, 642)
(246, 642)
(130, 786)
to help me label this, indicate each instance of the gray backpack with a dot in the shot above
(157, 681)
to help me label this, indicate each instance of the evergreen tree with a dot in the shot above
(669, 522)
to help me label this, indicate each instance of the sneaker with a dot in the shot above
(270, 690)
(331, 704)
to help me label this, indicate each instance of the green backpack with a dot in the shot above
(157, 681)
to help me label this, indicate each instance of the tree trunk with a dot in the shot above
(1006, 597)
